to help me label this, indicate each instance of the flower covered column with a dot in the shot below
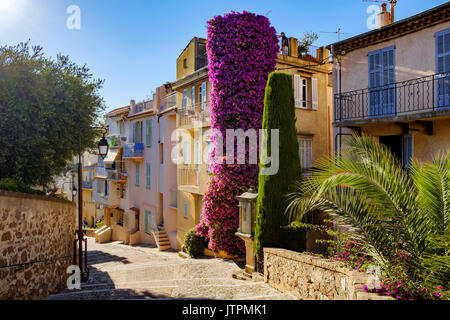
(242, 50)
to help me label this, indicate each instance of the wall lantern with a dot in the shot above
(74, 193)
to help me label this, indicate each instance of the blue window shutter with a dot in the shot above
(382, 96)
(134, 132)
(148, 131)
(137, 174)
(442, 67)
(147, 175)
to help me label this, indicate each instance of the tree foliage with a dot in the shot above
(279, 113)
(45, 104)
(401, 218)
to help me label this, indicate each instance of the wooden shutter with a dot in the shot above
(204, 94)
(148, 132)
(185, 152)
(200, 97)
(298, 91)
(315, 94)
(193, 98)
(184, 101)
(442, 67)
(137, 174)
(147, 176)
(134, 132)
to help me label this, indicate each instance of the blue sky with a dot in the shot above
(133, 44)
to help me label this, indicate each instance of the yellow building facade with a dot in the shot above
(313, 94)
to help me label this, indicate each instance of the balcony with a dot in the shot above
(199, 112)
(133, 151)
(116, 140)
(87, 184)
(101, 173)
(168, 101)
(420, 98)
(187, 175)
(117, 176)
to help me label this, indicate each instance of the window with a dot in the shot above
(306, 93)
(161, 153)
(442, 67)
(185, 153)
(193, 98)
(137, 132)
(148, 218)
(382, 82)
(407, 150)
(209, 150)
(305, 146)
(200, 97)
(185, 63)
(148, 132)
(137, 174)
(148, 176)
(185, 210)
(203, 100)
(184, 106)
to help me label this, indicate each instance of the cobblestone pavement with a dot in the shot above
(119, 271)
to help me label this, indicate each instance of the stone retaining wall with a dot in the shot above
(36, 245)
(312, 278)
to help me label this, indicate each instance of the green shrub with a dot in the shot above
(100, 224)
(18, 186)
(194, 245)
(279, 113)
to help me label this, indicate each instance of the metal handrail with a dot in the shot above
(428, 93)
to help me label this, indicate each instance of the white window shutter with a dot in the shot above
(315, 95)
(204, 94)
(297, 91)
(185, 152)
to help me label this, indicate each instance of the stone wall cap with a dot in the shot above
(308, 259)
(11, 194)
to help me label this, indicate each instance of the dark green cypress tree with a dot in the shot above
(279, 113)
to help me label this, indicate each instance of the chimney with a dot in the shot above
(384, 17)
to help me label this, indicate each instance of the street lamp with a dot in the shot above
(103, 148)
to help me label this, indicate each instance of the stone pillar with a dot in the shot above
(293, 47)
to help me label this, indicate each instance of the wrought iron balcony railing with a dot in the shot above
(133, 150)
(421, 95)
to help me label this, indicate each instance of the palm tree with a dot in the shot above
(402, 218)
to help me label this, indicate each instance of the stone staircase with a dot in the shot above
(161, 238)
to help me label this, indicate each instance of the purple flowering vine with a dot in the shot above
(242, 50)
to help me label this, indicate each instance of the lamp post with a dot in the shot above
(103, 149)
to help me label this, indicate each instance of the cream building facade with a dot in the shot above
(393, 83)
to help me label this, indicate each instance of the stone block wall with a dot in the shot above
(36, 245)
(312, 278)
